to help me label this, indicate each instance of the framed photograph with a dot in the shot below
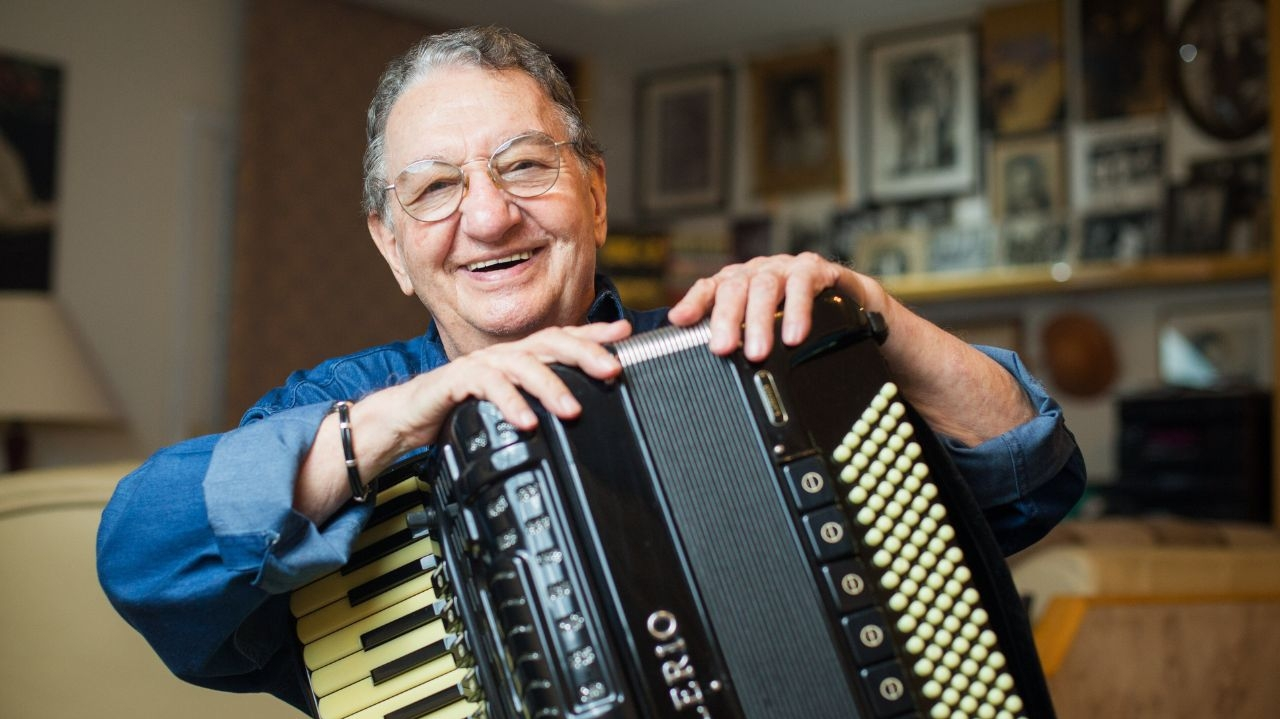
(923, 114)
(1123, 58)
(1026, 177)
(847, 226)
(1033, 241)
(682, 154)
(1022, 67)
(30, 102)
(1246, 179)
(1220, 72)
(751, 237)
(962, 249)
(1118, 164)
(796, 126)
(1216, 347)
(1120, 237)
(891, 253)
(1196, 219)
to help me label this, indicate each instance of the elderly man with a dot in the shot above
(485, 193)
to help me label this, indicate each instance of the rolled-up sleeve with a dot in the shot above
(1027, 479)
(199, 547)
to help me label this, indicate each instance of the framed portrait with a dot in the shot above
(962, 248)
(1120, 237)
(891, 253)
(1118, 164)
(795, 122)
(1246, 178)
(1033, 240)
(1216, 346)
(1220, 68)
(30, 101)
(1022, 67)
(1123, 58)
(1026, 177)
(1196, 219)
(923, 114)
(682, 155)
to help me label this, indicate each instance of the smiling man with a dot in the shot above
(486, 195)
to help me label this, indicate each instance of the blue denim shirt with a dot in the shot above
(200, 546)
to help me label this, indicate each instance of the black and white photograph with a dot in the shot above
(30, 98)
(1220, 71)
(891, 253)
(849, 224)
(1246, 179)
(1196, 220)
(795, 122)
(923, 114)
(1118, 164)
(1033, 241)
(1026, 177)
(683, 138)
(1120, 237)
(962, 249)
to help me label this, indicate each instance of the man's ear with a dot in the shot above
(599, 195)
(385, 238)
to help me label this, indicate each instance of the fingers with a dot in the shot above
(499, 373)
(742, 302)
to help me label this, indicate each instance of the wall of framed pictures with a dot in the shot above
(1020, 135)
(1009, 163)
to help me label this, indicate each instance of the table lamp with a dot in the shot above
(45, 375)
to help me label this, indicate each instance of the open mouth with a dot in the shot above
(500, 263)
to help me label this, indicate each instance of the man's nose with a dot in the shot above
(487, 210)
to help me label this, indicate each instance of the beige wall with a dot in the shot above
(149, 106)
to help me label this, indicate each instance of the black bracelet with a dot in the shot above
(359, 491)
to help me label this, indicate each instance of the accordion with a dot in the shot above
(711, 538)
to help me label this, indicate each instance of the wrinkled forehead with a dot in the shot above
(458, 112)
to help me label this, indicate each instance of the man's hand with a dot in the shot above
(742, 300)
(392, 422)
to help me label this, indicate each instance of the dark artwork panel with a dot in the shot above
(30, 97)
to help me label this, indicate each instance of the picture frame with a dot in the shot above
(795, 113)
(30, 118)
(1026, 177)
(922, 128)
(1033, 240)
(891, 253)
(1123, 58)
(682, 155)
(1220, 66)
(1196, 219)
(1118, 164)
(1120, 237)
(1023, 78)
(962, 248)
(1215, 346)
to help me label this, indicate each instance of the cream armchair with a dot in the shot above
(65, 653)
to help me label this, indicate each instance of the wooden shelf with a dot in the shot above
(1045, 279)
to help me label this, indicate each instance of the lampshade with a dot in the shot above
(45, 376)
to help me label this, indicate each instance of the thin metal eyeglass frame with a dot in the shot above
(493, 176)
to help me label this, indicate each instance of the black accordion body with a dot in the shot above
(712, 538)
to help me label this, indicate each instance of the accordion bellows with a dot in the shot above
(712, 538)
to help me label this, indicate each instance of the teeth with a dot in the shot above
(489, 263)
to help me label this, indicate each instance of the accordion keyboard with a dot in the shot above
(374, 634)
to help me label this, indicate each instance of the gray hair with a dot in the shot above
(491, 48)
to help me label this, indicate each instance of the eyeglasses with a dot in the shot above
(524, 166)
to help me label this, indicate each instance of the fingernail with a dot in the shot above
(568, 404)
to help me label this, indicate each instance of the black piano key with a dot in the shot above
(397, 505)
(394, 578)
(398, 627)
(425, 706)
(408, 662)
(383, 547)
